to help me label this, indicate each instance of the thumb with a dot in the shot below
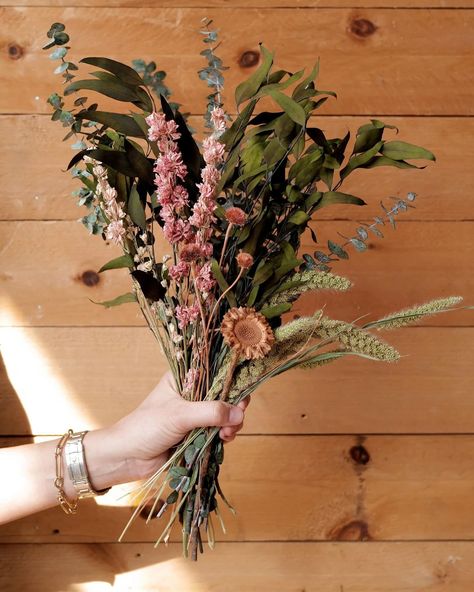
(202, 414)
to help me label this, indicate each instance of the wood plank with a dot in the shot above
(45, 191)
(393, 4)
(384, 75)
(268, 567)
(75, 372)
(43, 266)
(307, 488)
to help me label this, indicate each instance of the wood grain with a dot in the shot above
(309, 488)
(233, 567)
(444, 188)
(43, 266)
(78, 372)
(248, 3)
(415, 61)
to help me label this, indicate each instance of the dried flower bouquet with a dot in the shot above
(232, 213)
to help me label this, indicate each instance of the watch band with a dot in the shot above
(77, 468)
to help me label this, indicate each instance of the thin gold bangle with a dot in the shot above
(68, 506)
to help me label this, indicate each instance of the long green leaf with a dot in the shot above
(120, 161)
(279, 86)
(369, 134)
(306, 169)
(114, 90)
(189, 149)
(247, 89)
(142, 166)
(270, 312)
(234, 134)
(123, 124)
(249, 175)
(385, 161)
(264, 271)
(124, 72)
(223, 285)
(135, 208)
(401, 150)
(336, 197)
(299, 90)
(118, 263)
(299, 217)
(128, 297)
(291, 107)
(360, 159)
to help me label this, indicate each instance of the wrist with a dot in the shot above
(105, 467)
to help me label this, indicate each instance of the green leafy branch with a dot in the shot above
(277, 167)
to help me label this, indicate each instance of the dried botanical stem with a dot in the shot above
(226, 239)
(194, 538)
(241, 272)
(205, 358)
(234, 359)
(197, 504)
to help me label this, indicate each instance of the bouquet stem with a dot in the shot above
(199, 500)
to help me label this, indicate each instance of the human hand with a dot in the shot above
(141, 440)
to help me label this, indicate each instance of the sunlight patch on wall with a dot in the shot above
(173, 574)
(41, 389)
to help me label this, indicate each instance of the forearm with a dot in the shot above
(28, 473)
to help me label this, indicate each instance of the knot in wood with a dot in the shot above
(362, 27)
(15, 51)
(359, 455)
(90, 278)
(249, 59)
(357, 530)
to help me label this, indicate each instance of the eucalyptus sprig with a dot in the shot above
(212, 74)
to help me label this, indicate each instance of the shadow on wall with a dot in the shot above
(29, 567)
(15, 427)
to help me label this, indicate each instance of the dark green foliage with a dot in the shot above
(280, 168)
(151, 287)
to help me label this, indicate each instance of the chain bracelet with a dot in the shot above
(68, 506)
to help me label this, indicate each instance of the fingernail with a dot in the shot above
(236, 415)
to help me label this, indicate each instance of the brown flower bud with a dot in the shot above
(244, 260)
(190, 252)
(236, 216)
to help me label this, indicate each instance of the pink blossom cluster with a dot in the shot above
(179, 271)
(218, 120)
(214, 155)
(115, 230)
(187, 314)
(192, 376)
(161, 130)
(205, 280)
(170, 168)
(191, 237)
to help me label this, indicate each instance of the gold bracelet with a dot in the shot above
(74, 455)
(68, 506)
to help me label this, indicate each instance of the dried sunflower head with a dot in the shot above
(247, 332)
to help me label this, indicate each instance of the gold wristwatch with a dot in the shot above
(77, 467)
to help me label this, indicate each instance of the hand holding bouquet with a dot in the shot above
(232, 213)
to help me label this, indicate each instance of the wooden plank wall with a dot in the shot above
(356, 477)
